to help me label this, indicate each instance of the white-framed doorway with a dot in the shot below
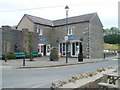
(62, 48)
(44, 49)
(74, 49)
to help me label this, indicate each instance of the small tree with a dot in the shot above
(30, 46)
(54, 55)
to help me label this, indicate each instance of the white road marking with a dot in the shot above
(40, 85)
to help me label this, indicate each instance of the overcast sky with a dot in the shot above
(11, 11)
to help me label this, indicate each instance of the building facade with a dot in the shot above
(85, 28)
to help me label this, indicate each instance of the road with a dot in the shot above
(43, 77)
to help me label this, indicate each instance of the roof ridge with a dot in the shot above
(37, 17)
(77, 16)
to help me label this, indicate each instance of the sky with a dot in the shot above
(11, 11)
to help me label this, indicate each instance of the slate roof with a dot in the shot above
(71, 20)
(38, 20)
(75, 19)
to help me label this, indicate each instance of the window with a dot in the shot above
(39, 31)
(70, 31)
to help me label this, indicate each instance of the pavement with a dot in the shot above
(42, 62)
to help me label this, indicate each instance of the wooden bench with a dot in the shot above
(1, 55)
(35, 53)
(18, 55)
(108, 85)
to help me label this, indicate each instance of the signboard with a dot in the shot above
(42, 40)
(66, 38)
(71, 37)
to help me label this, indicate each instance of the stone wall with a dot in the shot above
(78, 31)
(90, 32)
(11, 37)
(85, 80)
(46, 34)
(0, 40)
(95, 83)
(110, 54)
(96, 37)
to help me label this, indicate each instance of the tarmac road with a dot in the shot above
(43, 77)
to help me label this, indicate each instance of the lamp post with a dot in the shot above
(66, 9)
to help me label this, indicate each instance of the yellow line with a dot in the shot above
(46, 67)
(31, 68)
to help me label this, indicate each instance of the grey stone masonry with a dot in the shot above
(11, 37)
(87, 28)
(0, 40)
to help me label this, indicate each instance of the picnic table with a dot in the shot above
(112, 79)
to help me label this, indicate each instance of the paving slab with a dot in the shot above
(41, 62)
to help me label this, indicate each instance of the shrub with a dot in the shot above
(54, 55)
(39, 55)
(10, 53)
(27, 55)
(3, 57)
(24, 50)
(69, 54)
(11, 56)
(118, 51)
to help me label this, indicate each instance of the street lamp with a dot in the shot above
(66, 9)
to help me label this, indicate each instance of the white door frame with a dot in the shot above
(48, 49)
(76, 51)
(63, 53)
(41, 52)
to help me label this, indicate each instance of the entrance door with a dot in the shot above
(62, 49)
(44, 49)
(74, 49)
(44, 52)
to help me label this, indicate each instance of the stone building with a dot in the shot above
(84, 28)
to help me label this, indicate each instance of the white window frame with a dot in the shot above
(39, 31)
(70, 31)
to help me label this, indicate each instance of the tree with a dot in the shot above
(30, 46)
(54, 55)
(112, 35)
(112, 39)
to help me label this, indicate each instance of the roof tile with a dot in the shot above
(75, 19)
